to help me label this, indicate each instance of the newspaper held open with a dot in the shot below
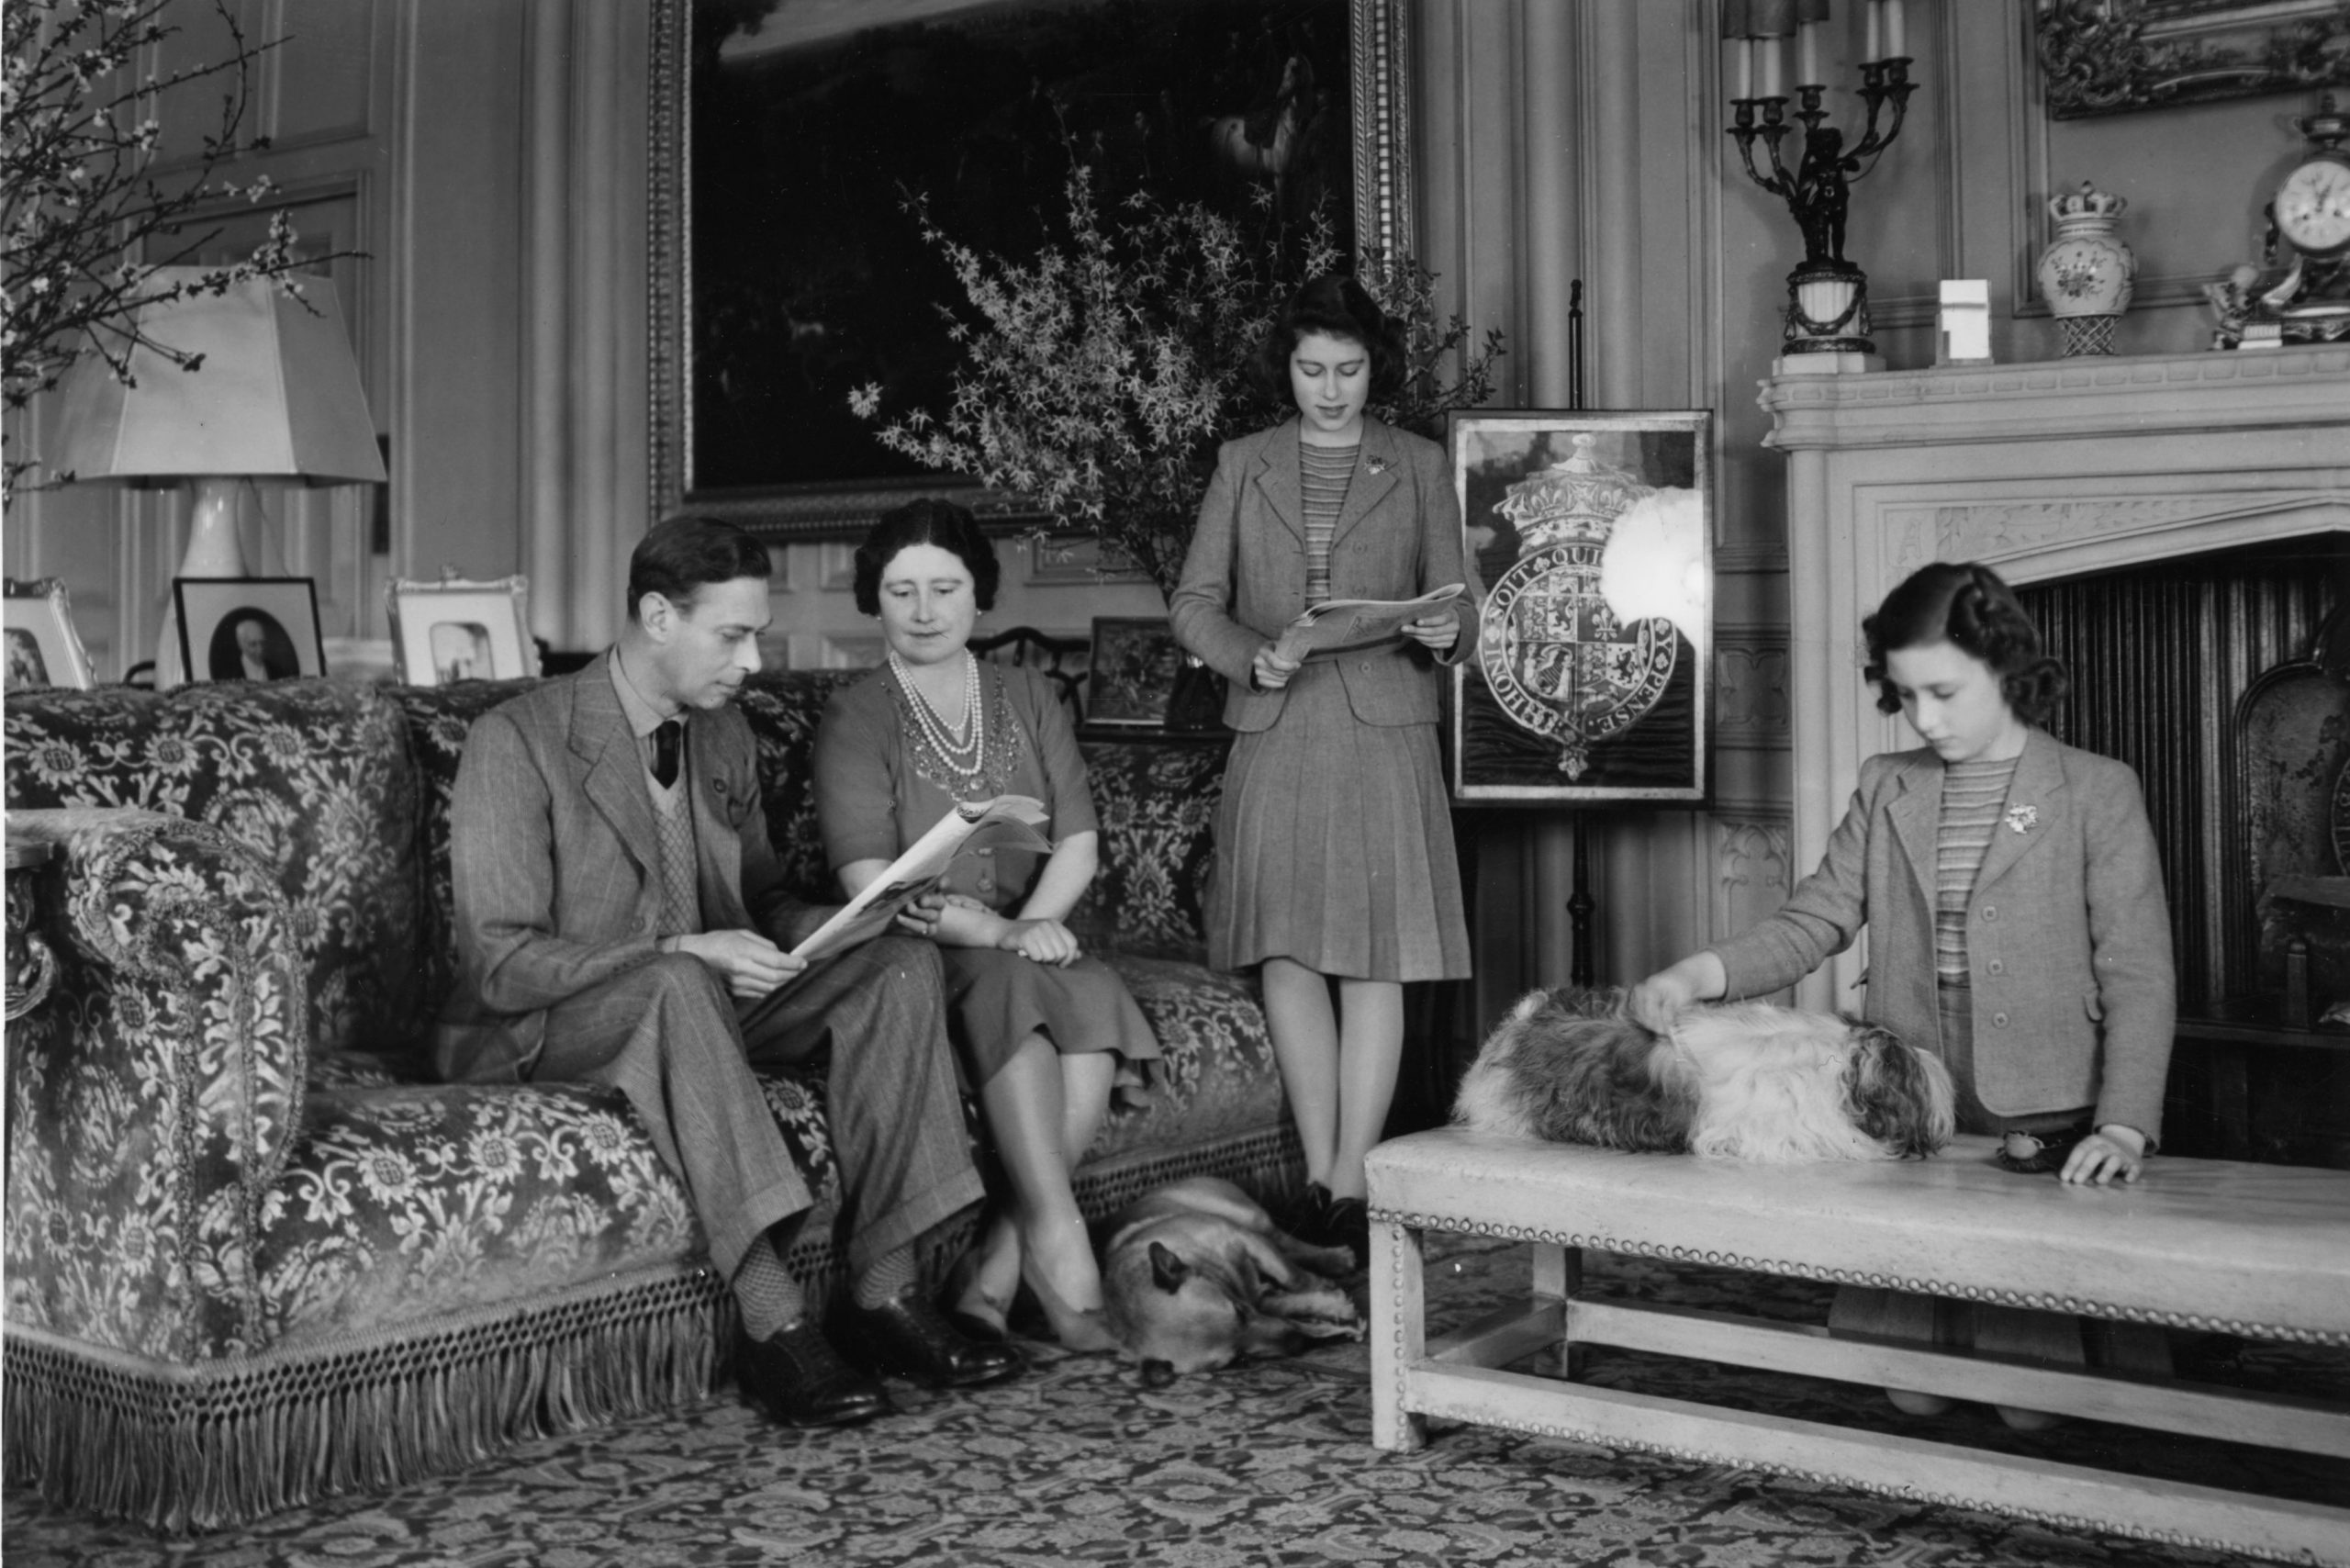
(1338, 626)
(1007, 822)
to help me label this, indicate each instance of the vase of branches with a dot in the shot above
(1098, 378)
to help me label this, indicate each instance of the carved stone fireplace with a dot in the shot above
(2049, 472)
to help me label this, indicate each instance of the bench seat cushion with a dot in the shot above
(2260, 1250)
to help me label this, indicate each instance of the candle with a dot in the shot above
(1771, 67)
(1871, 54)
(1746, 68)
(1807, 49)
(1895, 46)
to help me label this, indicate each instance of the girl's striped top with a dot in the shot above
(1324, 472)
(1973, 793)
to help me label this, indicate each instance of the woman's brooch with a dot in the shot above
(2022, 818)
(1376, 464)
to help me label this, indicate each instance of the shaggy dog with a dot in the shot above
(1196, 1276)
(1746, 1082)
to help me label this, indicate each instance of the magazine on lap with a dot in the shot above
(1006, 822)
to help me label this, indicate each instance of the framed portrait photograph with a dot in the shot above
(43, 648)
(249, 628)
(1130, 679)
(781, 283)
(1589, 542)
(450, 630)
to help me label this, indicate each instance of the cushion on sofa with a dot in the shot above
(311, 776)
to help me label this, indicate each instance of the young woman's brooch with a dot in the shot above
(1376, 464)
(2022, 818)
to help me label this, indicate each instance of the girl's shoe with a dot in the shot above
(1348, 1224)
(2028, 1420)
(1910, 1403)
(1309, 1217)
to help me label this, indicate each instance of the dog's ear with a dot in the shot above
(1157, 1374)
(1168, 1271)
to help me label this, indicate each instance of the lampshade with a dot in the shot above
(278, 394)
(276, 397)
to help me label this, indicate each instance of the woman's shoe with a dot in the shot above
(1084, 1332)
(975, 1313)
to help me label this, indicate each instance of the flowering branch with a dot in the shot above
(1098, 380)
(84, 221)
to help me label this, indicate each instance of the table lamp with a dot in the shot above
(276, 397)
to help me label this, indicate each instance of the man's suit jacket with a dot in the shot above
(1244, 578)
(2067, 935)
(556, 861)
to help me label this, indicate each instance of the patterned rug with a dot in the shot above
(1077, 1462)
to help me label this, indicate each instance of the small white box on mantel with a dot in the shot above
(1963, 330)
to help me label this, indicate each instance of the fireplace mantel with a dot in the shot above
(2044, 471)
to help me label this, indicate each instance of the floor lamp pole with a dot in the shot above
(1581, 905)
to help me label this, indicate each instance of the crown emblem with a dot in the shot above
(1574, 502)
(2088, 202)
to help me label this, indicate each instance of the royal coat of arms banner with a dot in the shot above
(1589, 541)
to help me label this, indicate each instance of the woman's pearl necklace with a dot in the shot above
(962, 756)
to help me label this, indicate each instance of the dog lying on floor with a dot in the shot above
(1744, 1081)
(1196, 1275)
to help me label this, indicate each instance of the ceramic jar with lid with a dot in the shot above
(2088, 271)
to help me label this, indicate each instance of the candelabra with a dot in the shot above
(1828, 295)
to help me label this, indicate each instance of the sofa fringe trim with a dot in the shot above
(200, 1449)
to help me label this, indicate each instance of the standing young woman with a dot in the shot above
(1043, 1031)
(1334, 858)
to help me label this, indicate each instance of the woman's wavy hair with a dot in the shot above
(928, 520)
(1970, 608)
(1335, 304)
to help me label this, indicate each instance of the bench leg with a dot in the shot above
(1398, 1333)
(1558, 1271)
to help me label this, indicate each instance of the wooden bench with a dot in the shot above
(2257, 1251)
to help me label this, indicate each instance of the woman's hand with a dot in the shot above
(1269, 671)
(1437, 632)
(1657, 1000)
(1044, 940)
(2112, 1150)
(920, 918)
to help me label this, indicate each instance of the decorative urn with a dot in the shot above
(2085, 273)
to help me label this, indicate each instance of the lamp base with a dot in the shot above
(213, 551)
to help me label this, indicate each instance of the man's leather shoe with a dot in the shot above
(797, 1377)
(906, 1336)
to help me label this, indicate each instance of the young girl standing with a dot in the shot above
(2016, 921)
(1334, 855)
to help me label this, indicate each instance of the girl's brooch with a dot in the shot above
(2020, 818)
(1376, 464)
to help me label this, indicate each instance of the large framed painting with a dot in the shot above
(791, 136)
(1589, 538)
(2107, 57)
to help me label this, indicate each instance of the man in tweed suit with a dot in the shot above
(621, 920)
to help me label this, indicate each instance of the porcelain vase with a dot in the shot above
(2088, 271)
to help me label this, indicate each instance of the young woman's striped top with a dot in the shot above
(1973, 793)
(1323, 472)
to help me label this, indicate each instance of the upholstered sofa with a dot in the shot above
(254, 1255)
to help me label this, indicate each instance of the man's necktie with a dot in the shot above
(666, 737)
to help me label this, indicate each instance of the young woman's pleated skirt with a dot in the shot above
(1334, 846)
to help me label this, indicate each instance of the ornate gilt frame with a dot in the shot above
(2118, 56)
(1379, 47)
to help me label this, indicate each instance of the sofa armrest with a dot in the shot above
(154, 1095)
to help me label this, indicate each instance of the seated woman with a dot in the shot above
(1044, 1032)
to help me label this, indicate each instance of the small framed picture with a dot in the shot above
(249, 628)
(450, 630)
(43, 647)
(1131, 676)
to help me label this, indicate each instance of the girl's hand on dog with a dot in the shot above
(1044, 940)
(1657, 1000)
(2111, 1150)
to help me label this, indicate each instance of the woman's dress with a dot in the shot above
(880, 785)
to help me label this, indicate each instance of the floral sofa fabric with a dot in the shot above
(254, 1253)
